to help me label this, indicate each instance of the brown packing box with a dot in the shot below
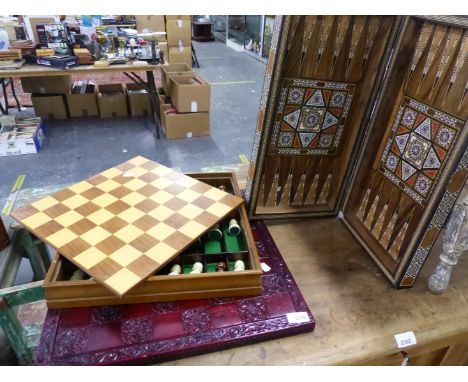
(179, 32)
(138, 100)
(163, 48)
(172, 69)
(46, 85)
(112, 100)
(190, 93)
(178, 125)
(49, 106)
(177, 17)
(82, 105)
(154, 22)
(180, 54)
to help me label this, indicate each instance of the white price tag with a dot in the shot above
(265, 267)
(194, 106)
(189, 134)
(179, 23)
(297, 317)
(278, 189)
(404, 340)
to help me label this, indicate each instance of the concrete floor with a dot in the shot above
(78, 148)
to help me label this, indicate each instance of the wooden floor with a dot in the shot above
(356, 309)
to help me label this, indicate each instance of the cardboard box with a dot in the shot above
(49, 106)
(154, 23)
(181, 125)
(24, 136)
(190, 93)
(171, 69)
(179, 32)
(112, 100)
(163, 47)
(177, 17)
(81, 100)
(180, 54)
(138, 100)
(46, 85)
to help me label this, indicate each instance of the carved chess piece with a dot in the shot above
(455, 242)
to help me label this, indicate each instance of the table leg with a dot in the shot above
(152, 91)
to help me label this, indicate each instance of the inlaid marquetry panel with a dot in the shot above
(415, 149)
(322, 83)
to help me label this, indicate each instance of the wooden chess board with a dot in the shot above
(123, 224)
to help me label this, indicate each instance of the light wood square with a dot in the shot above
(192, 229)
(161, 213)
(188, 195)
(36, 220)
(68, 218)
(135, 184)
(122, 280)
(161, 183)
(108, 185)
(125, 255)
(161, 231)
(90, 257)
(75, 201)
(137, 161)
(128, 233)
(218, 209)
(61, 238)
(135, 172)
(45, 203)
(161, 170)
(131, 214)
(190, 211)
(187, 181)
(160, 252)
(80, 187)
(111, 173)
(104, 200)
(161, 197)
(100, 216)
(95, 235)
(215, 194)
(133, 198)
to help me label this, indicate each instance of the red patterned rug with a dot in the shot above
(98, 78)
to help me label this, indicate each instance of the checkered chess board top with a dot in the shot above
(123, 224)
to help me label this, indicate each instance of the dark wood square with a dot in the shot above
(92, 193)
(87, 209)
(82, 226)
(202, 202)
(105, 268)
(117, 207)
(204, 218)
(110, 245)
(200, 187)
(144, 242)
(147, 205)
(175, 204)
(143, 266)
(145, 223)
(174, 189)
(63, 195)
(148, 190)
(125, 166)
(149, 177)
(120, 192)
(177, 240)
(74, 247)
(113, 225)
(48, 228)
(149, 165)
(96, 179)
(56, 210)
(176, 221)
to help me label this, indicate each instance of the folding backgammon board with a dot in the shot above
(126, 227)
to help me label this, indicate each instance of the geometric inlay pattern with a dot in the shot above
(419, 143)
(311, 116)
(123, 224)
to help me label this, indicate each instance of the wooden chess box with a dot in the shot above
(61, 292)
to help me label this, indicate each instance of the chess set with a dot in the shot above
(141, 232)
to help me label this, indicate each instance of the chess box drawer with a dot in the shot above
(64, 293)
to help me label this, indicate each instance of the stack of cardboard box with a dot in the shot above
(48, 95)
(184, 102)
(153, 23)
(179, 39)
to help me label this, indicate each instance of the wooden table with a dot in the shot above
(129, 69)
(356, 309)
